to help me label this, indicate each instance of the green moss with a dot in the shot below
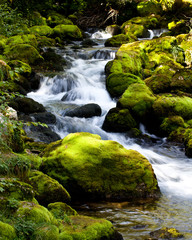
(47, 189)
(83, 227)
(67, 32)
(134, 29)
(35, 213)
(20, 67)
(25, 53)
(166, 106)
(117, 83)
(60, 210)
(41, 30)
(166, 233)
(47, 232)
(7, 232)
(119, 120)
(145, 8)
(22, 39)
(139, 98)
(13, 188)
(76, 161)
(54, 19)
(172, 123)
(118, 40)
(159, 83)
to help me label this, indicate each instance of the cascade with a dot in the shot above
(84, 82)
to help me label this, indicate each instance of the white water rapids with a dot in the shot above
(83, 83)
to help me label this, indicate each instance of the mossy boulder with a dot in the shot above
(170, 124)
(66, 32)
(178, 27)
(113, 29)
(138, 98)
(41, 30)
(185, 43)
(22, 39)
(170, 105)
(86, 228)
(159, 83)
(60, 210)
(117, 83)
(24, 52)
(118, 40)
(138, 25)
(7, 232)
(43, 41)
(29, 211)
(118, 120)
(46, 231)
(12, 188)
(182, 80)
(48, 190)
(123, 174)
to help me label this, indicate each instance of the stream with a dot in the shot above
(83, 82)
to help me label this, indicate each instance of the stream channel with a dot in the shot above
(83, 82)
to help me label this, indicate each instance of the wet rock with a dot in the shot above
(113, 29)
(86, 111)
(166, 233)
(27, 105)
(88, 43)
(44, 117)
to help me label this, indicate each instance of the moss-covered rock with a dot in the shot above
(82, 227)
(35, 213)
(139, 99)
(43, 41)
(41, 30)
(22, 39)
(66, 32)
(60, 210)
(166, 233)
(170, 124)
(178, 27)
(118, 120)
(182, 80)
(117, 83)
(136, 30)
(159, 83)
(118, 40)
(48, 190)
(123, 174)
(7, 232)
(47, 232)
(12, 188)
(170, 105)
(185, 43)
(25, 53)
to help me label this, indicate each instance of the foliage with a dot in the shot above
(11, 22)
(24, 229)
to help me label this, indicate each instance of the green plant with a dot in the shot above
(11, 22)
(24, 229)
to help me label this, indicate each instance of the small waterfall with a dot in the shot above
(84, 82)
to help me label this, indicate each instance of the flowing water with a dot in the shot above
(84, 82)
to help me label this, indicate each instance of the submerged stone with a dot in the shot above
(123, 174)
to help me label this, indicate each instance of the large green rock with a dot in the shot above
(25, 53)
(182, 80)
(139, 99)
(117, 83)
(169, 105)
(65, 32)
(123, 174)
(41, 30)
(60, 210)
(22, 39)
(82, 227)
(48, 190)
